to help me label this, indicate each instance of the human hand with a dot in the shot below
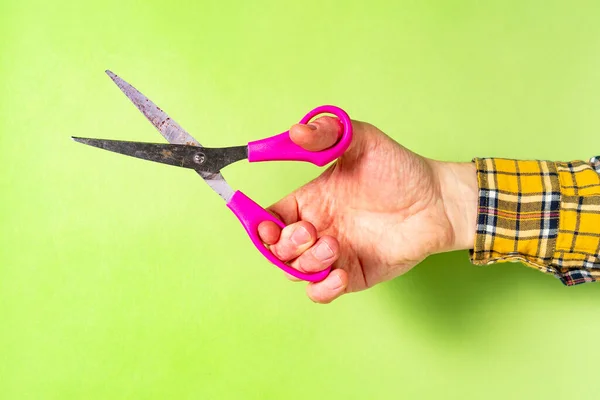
(375, 213)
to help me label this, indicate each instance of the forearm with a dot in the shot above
(459, 191)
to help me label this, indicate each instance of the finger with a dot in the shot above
(319, 134)
(318, 257)
(269, 232)
(286, 209)
(330, 288)
(295, 239)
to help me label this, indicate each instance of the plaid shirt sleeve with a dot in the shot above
(541, 213)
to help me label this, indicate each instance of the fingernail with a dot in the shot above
(312, 126)
(300, 236)
(335, 282)
(323, 252)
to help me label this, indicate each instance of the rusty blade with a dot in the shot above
(167, 127)
(171, 131)
(179, 155)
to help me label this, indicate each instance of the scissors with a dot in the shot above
(186, 152)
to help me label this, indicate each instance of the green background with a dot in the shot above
(127, 279)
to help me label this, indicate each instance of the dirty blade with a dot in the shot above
(171, 131)
(177, 155)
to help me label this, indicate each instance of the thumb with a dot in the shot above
(324, 132)
(317, 135)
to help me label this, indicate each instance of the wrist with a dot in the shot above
(459, 191)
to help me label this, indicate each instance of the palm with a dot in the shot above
(382, 203)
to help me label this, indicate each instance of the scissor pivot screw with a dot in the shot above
(199, 158)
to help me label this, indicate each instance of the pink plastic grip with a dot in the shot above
(251, 215)
(281, 148)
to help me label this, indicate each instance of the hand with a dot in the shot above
(374, 214)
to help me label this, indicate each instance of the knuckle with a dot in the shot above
(309, 263)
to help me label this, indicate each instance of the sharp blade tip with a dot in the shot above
(80, 139)
(111, 74)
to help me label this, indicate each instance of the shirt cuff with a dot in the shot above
(544, 214)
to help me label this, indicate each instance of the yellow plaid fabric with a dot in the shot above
(544, 214)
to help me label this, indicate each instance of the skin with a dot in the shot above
(374, 214)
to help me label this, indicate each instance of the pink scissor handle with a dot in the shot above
(281, 148)
(251, 215)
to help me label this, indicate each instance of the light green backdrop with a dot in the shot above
(127, 279)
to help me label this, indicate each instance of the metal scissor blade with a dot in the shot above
(198, 158)
(172, 154)
(167, 127)
(171, 131)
